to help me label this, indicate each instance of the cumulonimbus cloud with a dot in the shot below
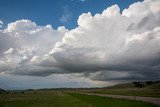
(110, 43)
(22, 41)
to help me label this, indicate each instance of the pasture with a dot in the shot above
(56, 98)
(128, 92)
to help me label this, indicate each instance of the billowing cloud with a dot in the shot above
(22, 41)
(107, 46)
(114, 42)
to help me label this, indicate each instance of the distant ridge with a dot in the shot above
(154, 86)
(145, 84)
(2, 91)
(120, 86)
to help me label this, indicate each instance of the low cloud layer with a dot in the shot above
(107, 46)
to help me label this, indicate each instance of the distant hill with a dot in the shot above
(2, 91)
(154, 86)
(122, 86)
(145, 84)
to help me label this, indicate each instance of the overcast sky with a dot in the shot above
(78, 43)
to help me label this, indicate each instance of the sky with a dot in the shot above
(78, 43)
(54, 12)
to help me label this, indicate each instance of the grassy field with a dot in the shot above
(128, 92)
(50, 98)
(128, 89)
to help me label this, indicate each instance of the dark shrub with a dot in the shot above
(139, 84)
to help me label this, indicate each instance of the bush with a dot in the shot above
(139, 84)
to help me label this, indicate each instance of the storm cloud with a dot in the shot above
(112, 45)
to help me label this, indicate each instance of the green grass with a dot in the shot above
(128, 92)
(96, 101)
(61, 99)
(40, 99)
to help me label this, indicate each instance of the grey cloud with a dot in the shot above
(36, 70)
(123, 76)
(148, 22)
